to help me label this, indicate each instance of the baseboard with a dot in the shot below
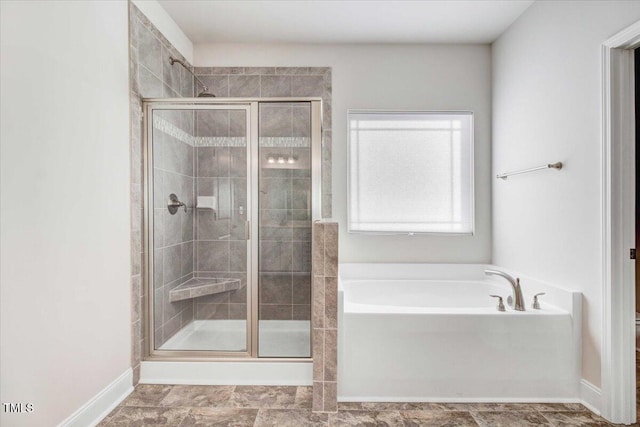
(591, 396)
(99, 406)
(227, 373)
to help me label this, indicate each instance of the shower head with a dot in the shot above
(205, 90)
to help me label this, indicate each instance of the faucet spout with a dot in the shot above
(518, 299)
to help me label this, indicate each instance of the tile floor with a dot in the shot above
(238, 406)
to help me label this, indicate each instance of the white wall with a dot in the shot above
(429, 77)
(65, 302)
(547, 108)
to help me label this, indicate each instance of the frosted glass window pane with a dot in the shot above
(410, 172)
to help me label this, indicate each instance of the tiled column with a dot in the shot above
(324, 316)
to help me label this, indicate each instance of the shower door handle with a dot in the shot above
(247, 230)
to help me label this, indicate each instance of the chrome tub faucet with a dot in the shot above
(517, 300)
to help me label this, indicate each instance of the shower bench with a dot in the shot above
(200, 286)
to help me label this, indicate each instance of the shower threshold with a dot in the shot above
(277, 338)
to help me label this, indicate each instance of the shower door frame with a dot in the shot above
(251, 106)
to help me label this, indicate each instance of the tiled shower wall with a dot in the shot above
(221, 246)
(285, 259)
(234, 82)
(285, 212)
(173, 173)
(151, 76)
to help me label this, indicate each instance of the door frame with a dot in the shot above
(618, 227)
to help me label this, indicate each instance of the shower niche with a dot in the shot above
(232, 188)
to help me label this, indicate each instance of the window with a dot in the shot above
(410, 172)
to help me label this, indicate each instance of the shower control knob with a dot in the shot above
(174, 204)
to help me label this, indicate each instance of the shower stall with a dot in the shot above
(232, 188)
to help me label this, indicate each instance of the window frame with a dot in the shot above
(471, 172)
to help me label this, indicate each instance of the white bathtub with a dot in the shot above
(432, 333)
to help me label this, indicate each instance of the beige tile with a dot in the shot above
(212, 311)
(105, 421)
(302, 289)
(292, 70)
(136, 374)
(317, 312)
(562, 419)
(318, 354)
(331, 302)
(301, 312)
(289, 418)
(304, 397)
(147, 395)
(504, 407)
(263, 397)
(509, 419)
(274, 86)
(318, 249)
(350, 406)
(396, 406)
(237, 311)
(259, 71)
(558, 407)
(366, 418)
(217, 85)
(244, 86)
(330, 396)
(437, 418)
(331, 249)
(219, 70)
(317, 404)
(135, 298)
(435, 406)
(275, 311)
(330, 354)
(136, 342)
(133, 416)
(320, 70)
(307, 85)
(219, 417)
(197, 396)
(275, 288)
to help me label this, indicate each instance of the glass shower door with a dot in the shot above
(200, 244)
(228, 212)
(284, 184)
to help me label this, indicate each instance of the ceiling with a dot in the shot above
(347, 21)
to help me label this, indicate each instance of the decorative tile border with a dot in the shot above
(170, 129)
(324, 317)
(219, 141)
(288, 142)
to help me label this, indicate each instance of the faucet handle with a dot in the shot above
(500, 303)
(536, 304)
